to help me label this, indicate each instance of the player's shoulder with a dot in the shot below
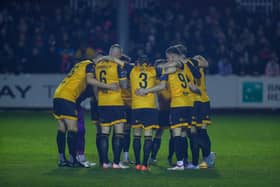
(85, 62)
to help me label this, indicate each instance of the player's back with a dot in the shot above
(109, 72)
(74, 83)
(143, 76)
(179, 89)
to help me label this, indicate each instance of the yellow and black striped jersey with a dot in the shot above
(143, 76)
(109, 72)
(201, 83)
(178, 87)
(74, 83)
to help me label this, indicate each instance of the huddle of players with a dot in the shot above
(144, 97)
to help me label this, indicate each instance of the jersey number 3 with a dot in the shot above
(143, 82)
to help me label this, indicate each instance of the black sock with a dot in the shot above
(126, 141)
(148, 143)
(117, 147)
(103, 143)
(178, 147)
(155, 148)
(97, 141)
(185, 150)
(205, 142)
(72, 142)
(171, 148)
(194, 142)
(137, 148)
(60, 140)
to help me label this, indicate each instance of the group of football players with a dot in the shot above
(144, 98)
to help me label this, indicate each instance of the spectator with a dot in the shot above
(225, 67)
(272, 68)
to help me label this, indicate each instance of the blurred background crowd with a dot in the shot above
(44, 37)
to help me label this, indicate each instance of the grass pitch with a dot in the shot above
(247, 147)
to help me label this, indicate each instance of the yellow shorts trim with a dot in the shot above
(199, 125)
(194, 123)
(206, 122)
(64, 117)
(137, 126)
(151, 127)
(118, 121)
(113, 123)
(179, 125)
(56, 116)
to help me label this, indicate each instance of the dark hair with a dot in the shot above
(101, 53)
(125, 58)
(173, 50)
(142, 59)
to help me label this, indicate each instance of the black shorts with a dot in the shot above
(196, 113)
(94, 111)
(201, 114)
(205, 113)
(128, 114)
(144, 118)
(164, 118)
(64, 109)
(111, 115)
(180, 117)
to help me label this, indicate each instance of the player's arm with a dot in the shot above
(159, 87)
(193, 65)
(93, 82)
(177, 64)
(106, 58)
(202, 62)
(95, 91)
(194, 88)
(122, 73)
(171, 67)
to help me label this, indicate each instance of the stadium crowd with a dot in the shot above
(35, 39)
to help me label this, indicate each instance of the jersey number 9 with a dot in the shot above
(184, 82)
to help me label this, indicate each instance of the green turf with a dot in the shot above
(248, 153)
